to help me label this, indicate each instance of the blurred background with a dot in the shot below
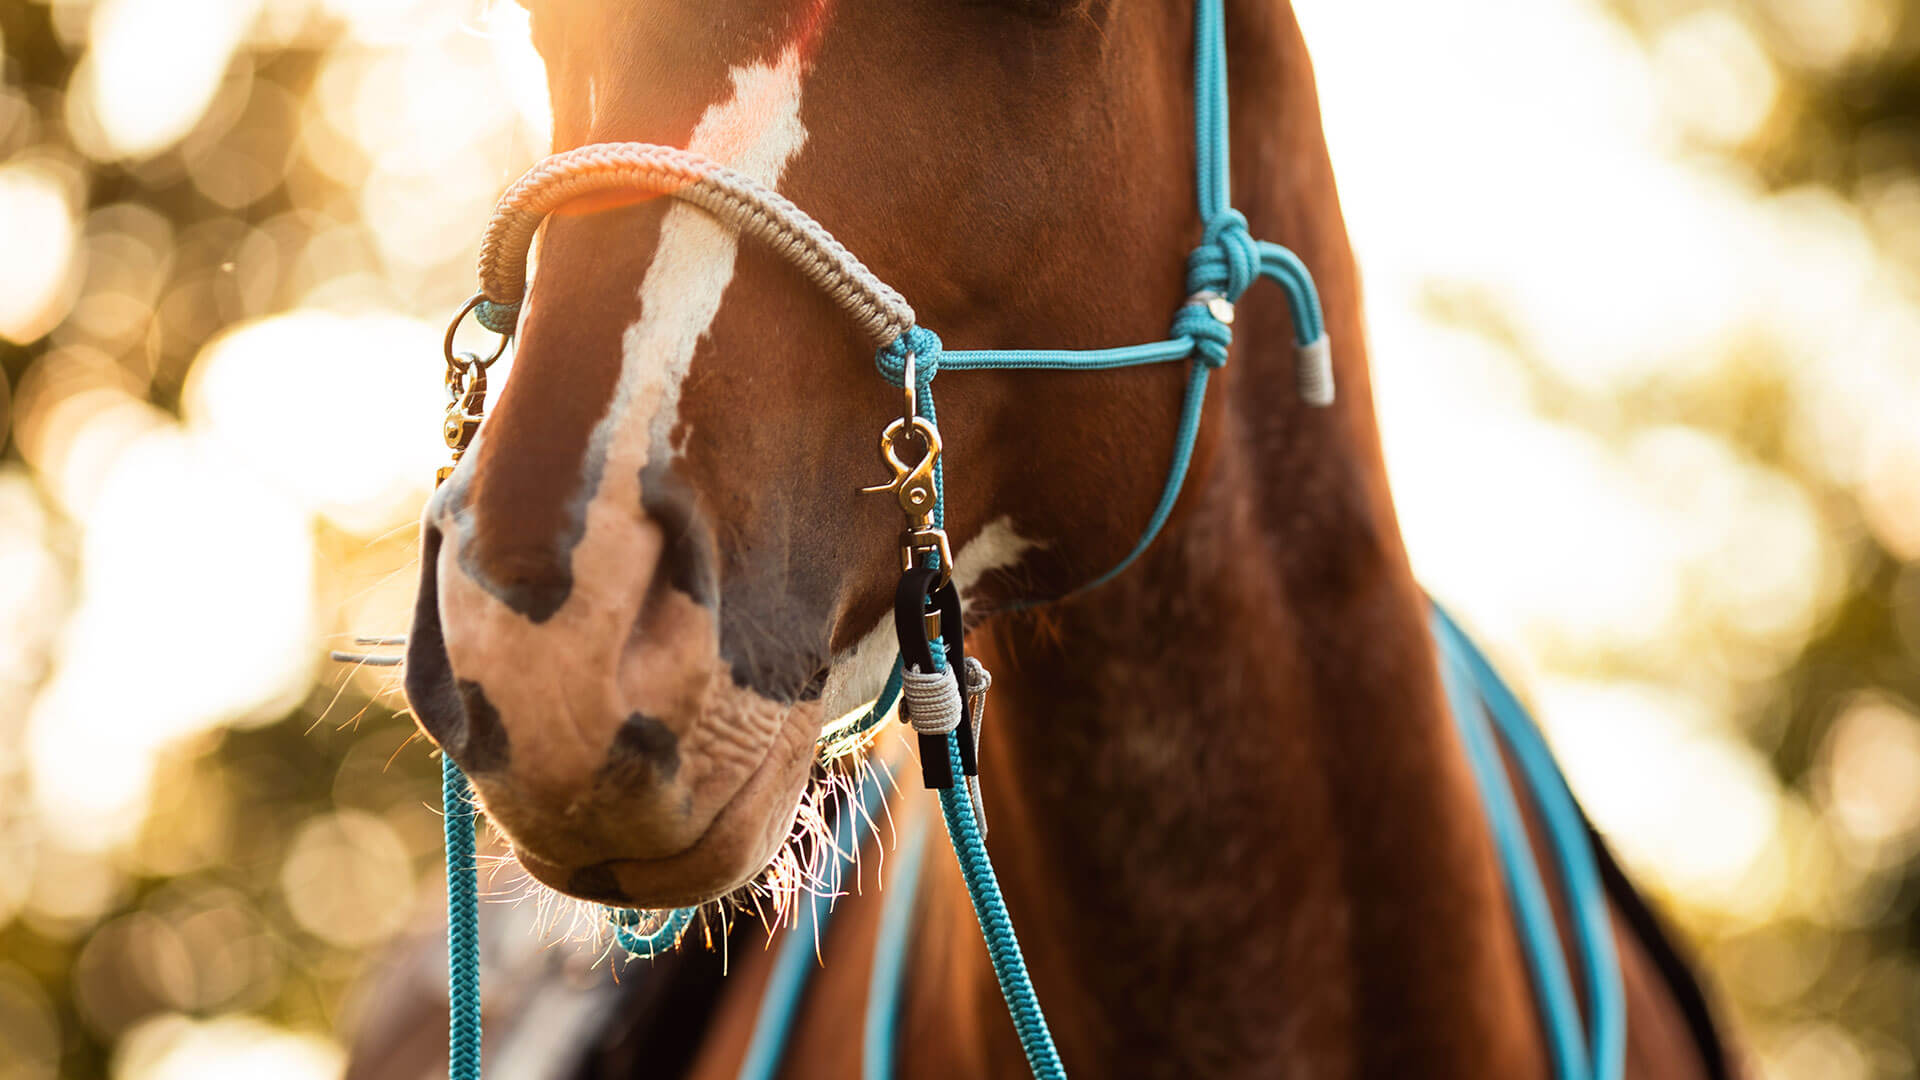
(1644, 284)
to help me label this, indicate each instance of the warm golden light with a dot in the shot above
(153, 67)
(36, 275)
(177, 1047)
(1642, 330)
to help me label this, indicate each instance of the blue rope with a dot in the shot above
(882, 705)
(648, 943)
(463, 925)
(880, 1031)
(996, 926)
(1225, 264)
(1559, 1011)
(780, 1002)
(1572, 849)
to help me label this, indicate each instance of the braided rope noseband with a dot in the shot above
(738, 200)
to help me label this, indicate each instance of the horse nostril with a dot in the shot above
(484, 745)
(643, 742)
(686, 557)
(456, 713)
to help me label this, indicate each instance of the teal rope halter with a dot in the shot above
(1219, 272)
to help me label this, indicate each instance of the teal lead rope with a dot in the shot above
(463, 925)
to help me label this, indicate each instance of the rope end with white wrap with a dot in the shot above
(978, 680)
(1314, 368)
(932, 705)
(932, 700)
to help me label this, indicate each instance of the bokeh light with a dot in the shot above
(1644, 347)
(152, 68)
(230, 1048)
(36, 276)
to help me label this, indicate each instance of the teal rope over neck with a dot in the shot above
(1476, 693)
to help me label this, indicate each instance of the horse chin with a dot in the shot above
(739, 842)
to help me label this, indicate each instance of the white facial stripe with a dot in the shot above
(757, 131)
(860, 673)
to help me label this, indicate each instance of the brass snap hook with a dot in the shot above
(912, 485)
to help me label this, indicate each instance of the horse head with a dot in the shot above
(653, 579)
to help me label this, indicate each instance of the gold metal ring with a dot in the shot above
(453, 359)
(913, 392)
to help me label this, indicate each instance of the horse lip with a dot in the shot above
(758, 791)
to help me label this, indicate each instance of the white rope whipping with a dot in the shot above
(931, 705)
(932, 700)
(978, 680)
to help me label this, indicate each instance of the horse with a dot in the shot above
(1232, 818)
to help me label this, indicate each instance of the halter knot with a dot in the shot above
(922, 344)
(499, 318)
(1210, 336)
(1228, 258)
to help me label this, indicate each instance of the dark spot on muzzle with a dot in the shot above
(596, 883)
(534, 584)
(537, 600)
(643, 743)
(456, 713)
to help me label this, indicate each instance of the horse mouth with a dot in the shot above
(737, 842)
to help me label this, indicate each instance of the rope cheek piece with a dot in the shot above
(942, 690)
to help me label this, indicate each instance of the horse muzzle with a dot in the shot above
(586, 698)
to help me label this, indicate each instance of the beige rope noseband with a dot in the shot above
(736, 199)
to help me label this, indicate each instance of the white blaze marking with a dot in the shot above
(757, 131)
(860, 673)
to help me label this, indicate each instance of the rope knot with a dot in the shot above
(1228, 258)
(923, 344)
(499, 318)
(1209, 333)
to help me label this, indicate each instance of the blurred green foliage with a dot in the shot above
(1847, 117)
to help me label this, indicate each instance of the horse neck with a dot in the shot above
(1227, 806)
